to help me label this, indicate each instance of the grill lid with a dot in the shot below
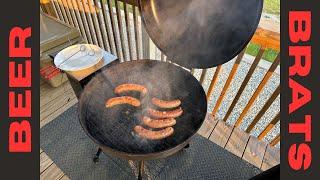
(201, 34)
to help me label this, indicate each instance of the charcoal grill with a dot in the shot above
(112, 129)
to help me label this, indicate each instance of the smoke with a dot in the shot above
(176, 18)
(159, 85)
(208, 30)
(154, 76)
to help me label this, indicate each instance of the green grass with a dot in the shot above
(272, 7)
(269, 54)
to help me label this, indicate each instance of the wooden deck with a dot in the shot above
(54, 101)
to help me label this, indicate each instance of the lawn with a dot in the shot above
(271, 7)
(269, 54)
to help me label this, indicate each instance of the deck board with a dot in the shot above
(47, 90)
(208, 125)
(54, 101)
(65, 177)
(58, 104)
(53, 172)
(221, 133)
(57, 111)
(254, 152)
(52, 94)
(237, 142)
(271, 158)
(45, 162)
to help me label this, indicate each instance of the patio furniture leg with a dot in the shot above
(141, 166)
(96, 157)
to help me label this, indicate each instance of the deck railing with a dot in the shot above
(115, 25)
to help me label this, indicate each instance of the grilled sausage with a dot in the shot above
(130, 87)
(166, 104)
(123, 100)
(165, 114)
(158, 123)
(153, 135)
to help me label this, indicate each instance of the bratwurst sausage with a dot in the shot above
(165, 114)
(158, 123)
(153, 135)
(130, 87)
(123, 100)
(166, 104)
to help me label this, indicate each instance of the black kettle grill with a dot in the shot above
(193, 34)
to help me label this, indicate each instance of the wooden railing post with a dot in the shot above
(120, 28)
(127, 22)
(213, 81)
(48, 8)
(264, 81)
(228, 82)
(113, 26)
(275, 140)
(203, 75)
(265, 107)
(244, 83)
(145, 44)
(269, 126)
(136, 32)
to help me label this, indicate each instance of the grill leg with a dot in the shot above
(141, 166)
(96, 157)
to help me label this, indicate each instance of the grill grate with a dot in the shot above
(113, 127)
